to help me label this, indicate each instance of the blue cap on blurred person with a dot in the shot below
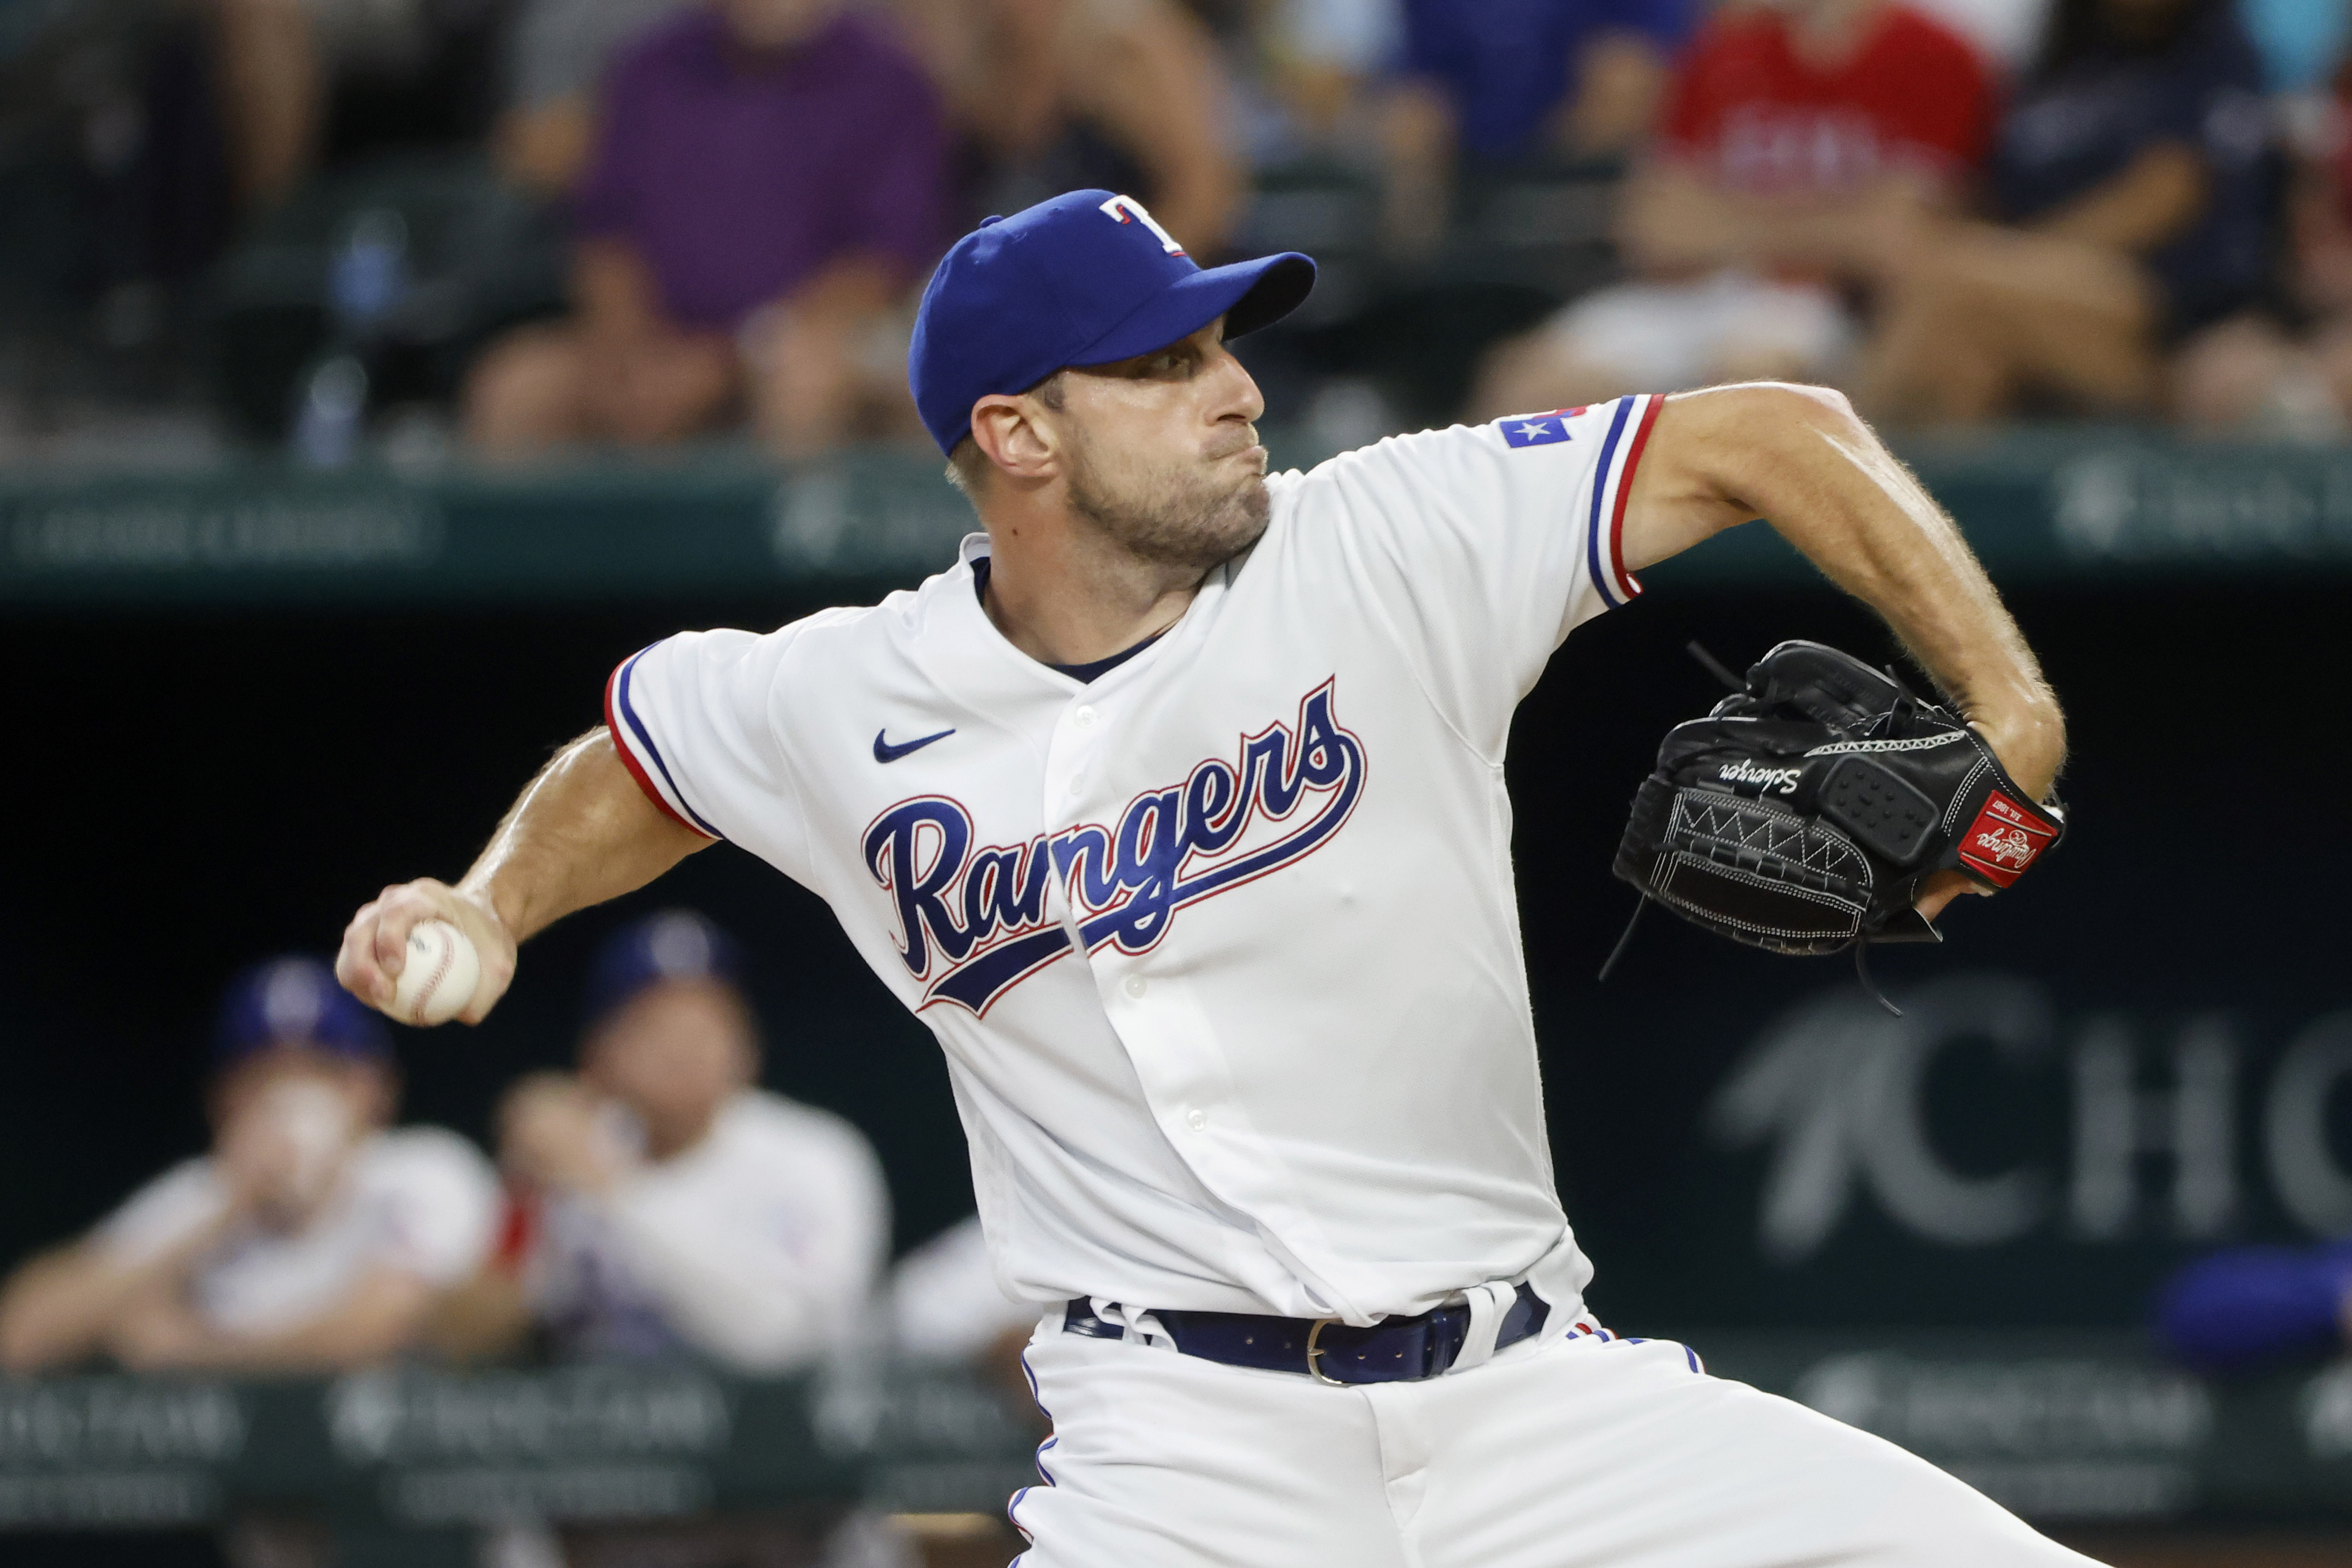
(1084, 279)
(675, 945)
(295, 1001)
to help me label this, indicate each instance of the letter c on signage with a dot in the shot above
(2313, 1186)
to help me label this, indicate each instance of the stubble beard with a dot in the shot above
(1180, 519)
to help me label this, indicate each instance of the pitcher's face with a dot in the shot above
(1163, 458)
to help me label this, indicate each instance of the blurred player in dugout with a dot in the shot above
(661, 1204)
(314, 1236)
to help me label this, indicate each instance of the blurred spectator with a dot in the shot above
(1225, 18)
(2131, 165)
(1063, 94)
(2287, 371)
(1503, 83)
(388, 69)
(1320, 59)
(667, 1205)
(557, 53)
(765, 185)
(310, 1238)
(2301, 42)
(2005, 32)
(2252, 1305)
(946, 1305)
(1797, 138)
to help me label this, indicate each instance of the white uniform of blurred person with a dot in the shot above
(672, 1207)
(311, 1237)
(946, 1303)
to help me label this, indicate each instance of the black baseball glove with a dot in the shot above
(1802, 813)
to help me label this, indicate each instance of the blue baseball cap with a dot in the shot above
(1084, 279)
(675, 945)
(295, 1001)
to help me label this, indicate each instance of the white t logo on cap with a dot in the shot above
(1127, 209)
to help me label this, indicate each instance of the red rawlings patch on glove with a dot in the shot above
(2004, 840)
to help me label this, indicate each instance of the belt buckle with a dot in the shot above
(1315, 1354)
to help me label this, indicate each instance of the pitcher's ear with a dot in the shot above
(1007, 431)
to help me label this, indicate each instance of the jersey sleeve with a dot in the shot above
(441, 1207)
(693, 719)
(1484, 546)
(163, 1213)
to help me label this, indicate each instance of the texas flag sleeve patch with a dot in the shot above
(1537, 429)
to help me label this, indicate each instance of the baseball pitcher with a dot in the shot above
(1175, 807)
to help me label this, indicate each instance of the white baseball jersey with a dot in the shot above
(1223, 947)
(418, 1199)
(760, 1245)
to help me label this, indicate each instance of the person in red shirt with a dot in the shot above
(1800, 142)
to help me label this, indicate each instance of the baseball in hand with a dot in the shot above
(438, 976)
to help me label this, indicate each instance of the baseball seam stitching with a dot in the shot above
(448, 956)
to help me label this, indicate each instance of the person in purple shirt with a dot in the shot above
(1503, 84)
(767, 182)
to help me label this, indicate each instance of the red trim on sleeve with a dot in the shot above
(629, 759)
(1626, 587)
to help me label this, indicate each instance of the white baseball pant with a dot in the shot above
(1578, 1452)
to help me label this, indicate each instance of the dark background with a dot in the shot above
(188, 792)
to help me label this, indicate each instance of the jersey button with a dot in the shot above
(1084, 719)
(1077, 783)
(1136, 985)
(1197, 1120)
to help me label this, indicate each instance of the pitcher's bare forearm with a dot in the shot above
(1800, 458)
(581, 832)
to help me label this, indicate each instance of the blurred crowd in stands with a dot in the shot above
(1960, 211)
(651, 1204)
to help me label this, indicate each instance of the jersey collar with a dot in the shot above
(979, 665)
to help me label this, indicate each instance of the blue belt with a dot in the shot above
(1394, 1350)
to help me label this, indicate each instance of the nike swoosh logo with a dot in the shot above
(886, 752)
